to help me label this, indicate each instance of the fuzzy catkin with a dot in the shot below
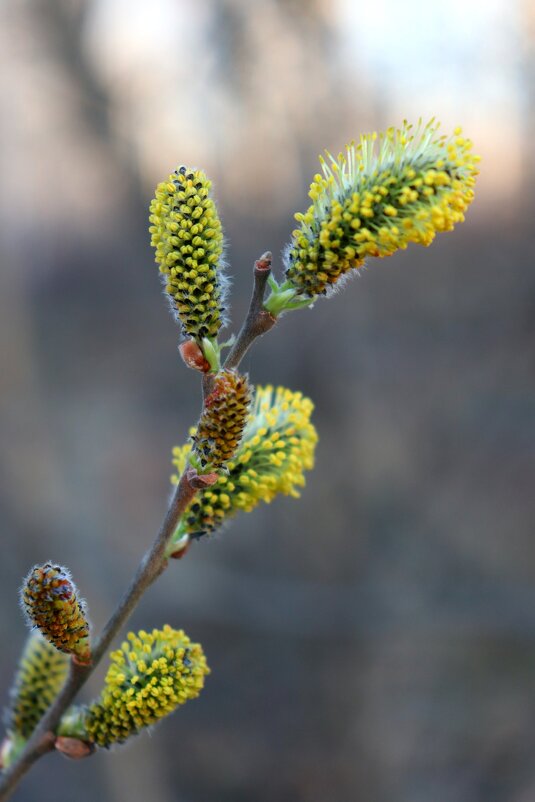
(40, 676)
(148, 678)
(187, 235)
(391, 189)
(51, 602)
(223, 419)
(277, 447)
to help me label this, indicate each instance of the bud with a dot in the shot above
(193, 356)
(73, 748)
(222, 421)
(149, 677)
(40, 676)
(277, 447)
(187, 235)
(51, 603)
(389, 190)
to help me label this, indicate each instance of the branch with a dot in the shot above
(258, 320)
(151, 566)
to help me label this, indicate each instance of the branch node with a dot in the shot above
(193, 356)
(263, 265)
(73, 748)
(181, 551)
(200, 481)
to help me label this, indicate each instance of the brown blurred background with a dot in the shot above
(374, 642)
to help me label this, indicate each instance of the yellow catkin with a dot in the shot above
(223, 419)
(40, 675)
(187, 236)
(277, 447)
(148, 678)
(51, 602)
(391, 189)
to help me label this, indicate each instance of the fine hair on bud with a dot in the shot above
(277, 447)
(390, 189)
(187, 235)
(223, 420)
(52, 604)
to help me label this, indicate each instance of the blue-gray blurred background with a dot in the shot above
(374, 641)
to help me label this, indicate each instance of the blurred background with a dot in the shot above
(374, 641)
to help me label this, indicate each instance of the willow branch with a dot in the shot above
(151, 566)
(258, 320)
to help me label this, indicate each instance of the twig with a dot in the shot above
(258, 320)
(151, 566)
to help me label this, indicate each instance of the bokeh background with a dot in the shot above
(376, 640)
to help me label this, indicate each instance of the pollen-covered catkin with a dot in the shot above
(149, 677)
(391, 189)
(40, 675)
(277, 447)
(223, 419)
(187, 236)
(52, 604)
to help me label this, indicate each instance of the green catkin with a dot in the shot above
(187, 236)
(40, 676)
(149, 677)
(52, 605)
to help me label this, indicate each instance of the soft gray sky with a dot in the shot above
(458, 60)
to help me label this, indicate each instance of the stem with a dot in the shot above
(207, 385)
(258, 320)
(151, 566)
